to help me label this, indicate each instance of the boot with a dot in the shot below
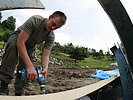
(18, 94)
(4, 88)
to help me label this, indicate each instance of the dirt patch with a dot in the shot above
(62, 78)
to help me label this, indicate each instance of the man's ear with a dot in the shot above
(50, 16)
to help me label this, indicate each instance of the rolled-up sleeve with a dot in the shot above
(49, 41)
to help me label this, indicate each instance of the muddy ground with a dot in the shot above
(62, 78)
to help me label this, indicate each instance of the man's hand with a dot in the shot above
(31, 73)
(45, 73)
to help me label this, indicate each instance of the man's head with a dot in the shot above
(56, 20)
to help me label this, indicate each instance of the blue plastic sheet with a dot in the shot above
(105, 74)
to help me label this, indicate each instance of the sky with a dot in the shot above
(87, 23)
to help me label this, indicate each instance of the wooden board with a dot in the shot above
(65, 95)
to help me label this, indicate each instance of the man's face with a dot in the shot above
(53, 23)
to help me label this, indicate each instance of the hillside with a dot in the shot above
(87, 62)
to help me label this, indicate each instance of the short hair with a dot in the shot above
(62, 16)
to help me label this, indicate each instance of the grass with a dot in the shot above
(62, 58)
(90, 62)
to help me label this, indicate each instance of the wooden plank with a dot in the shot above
(65, 95)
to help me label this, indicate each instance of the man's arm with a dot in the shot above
(45, 60)
(22, 38)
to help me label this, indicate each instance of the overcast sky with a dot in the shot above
(87, 24)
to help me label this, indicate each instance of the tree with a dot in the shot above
(108, 55)
(86, 52)
(97, 55)
(78, 53)
(92, 52)
(9, 23)
(101, 55)
(4, 24)
(68, 48)
(57, 47)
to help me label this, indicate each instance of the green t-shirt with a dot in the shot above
(34, 26)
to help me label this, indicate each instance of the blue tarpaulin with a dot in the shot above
(105, 74)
